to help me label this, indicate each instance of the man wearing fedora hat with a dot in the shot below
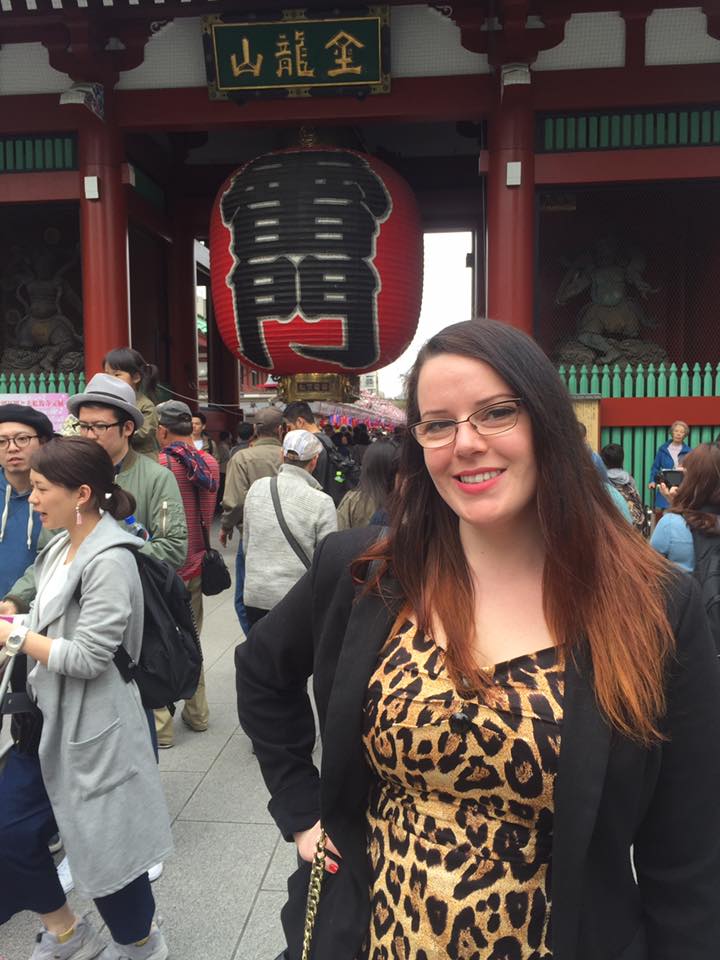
(107, 412)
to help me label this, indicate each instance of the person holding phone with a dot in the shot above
(668, 457)
(694, 505)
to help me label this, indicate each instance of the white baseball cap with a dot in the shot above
(302, 444)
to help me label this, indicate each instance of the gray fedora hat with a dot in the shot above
(108, 391)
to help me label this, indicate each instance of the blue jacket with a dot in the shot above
(664, 461)
(20, 528)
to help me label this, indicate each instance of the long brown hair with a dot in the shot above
(700, 488)
(601, 581)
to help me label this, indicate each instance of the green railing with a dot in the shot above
(663, 380)
(628, 129)
(42, 383)
(641, 443)
(38, 154)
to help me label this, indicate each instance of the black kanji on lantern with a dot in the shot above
(303, 227)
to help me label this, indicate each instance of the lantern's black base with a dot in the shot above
(333, 387)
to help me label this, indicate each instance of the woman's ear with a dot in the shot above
(84, 494)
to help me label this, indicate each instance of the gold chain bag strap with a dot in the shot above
(313, 899)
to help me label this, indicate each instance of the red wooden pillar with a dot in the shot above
(511, 210)
(103, 230)
(183, 309)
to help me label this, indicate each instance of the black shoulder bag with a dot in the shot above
(300, 553)
(214, 575)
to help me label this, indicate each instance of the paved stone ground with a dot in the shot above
(221, 893)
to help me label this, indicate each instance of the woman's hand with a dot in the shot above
(306, 842)
(668, 492)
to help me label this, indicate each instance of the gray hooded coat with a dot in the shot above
(95, 751)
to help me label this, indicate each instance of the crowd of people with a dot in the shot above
(516, 685)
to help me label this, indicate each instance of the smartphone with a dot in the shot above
(672, 478)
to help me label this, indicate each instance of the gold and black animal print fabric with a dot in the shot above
(460, 815)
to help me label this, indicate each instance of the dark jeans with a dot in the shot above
(239, 588)
(28, 880)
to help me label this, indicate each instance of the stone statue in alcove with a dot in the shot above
(39, 335)
(609, 324)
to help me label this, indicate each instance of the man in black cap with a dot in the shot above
(22, 430)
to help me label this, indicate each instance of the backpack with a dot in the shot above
(343, 473)
(707, 573)
(170, 656)
(635, 506)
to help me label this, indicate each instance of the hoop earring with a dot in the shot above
(78, 516)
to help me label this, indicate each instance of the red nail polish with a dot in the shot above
(333, 867)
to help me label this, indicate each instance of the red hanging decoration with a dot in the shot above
(316, 262)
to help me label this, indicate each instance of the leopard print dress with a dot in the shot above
(460, 814)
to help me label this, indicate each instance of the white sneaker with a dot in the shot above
(65, 876)
(155, 872)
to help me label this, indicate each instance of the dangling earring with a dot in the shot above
(78, 516)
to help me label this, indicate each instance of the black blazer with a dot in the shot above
(610, 796)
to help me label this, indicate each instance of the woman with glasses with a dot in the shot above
(519, 700)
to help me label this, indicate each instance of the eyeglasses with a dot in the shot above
(20, 441)
(488, 421)
(99, 429)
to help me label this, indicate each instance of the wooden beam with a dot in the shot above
(41, 112)
(412, 100)
(629, 166)
(40, 187)
(658, 411)
(622, 87)
(421, 99)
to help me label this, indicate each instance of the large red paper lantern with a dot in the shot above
(316, 262)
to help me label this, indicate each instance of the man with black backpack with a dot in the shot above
(332, 468)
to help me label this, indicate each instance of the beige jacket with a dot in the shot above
(262, 459)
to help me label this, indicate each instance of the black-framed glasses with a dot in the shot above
(489, 420)
(20, 440)
(99, 429)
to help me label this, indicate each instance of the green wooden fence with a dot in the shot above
(42, 383)
(641, 443)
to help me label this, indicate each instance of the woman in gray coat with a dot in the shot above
(93, 774)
